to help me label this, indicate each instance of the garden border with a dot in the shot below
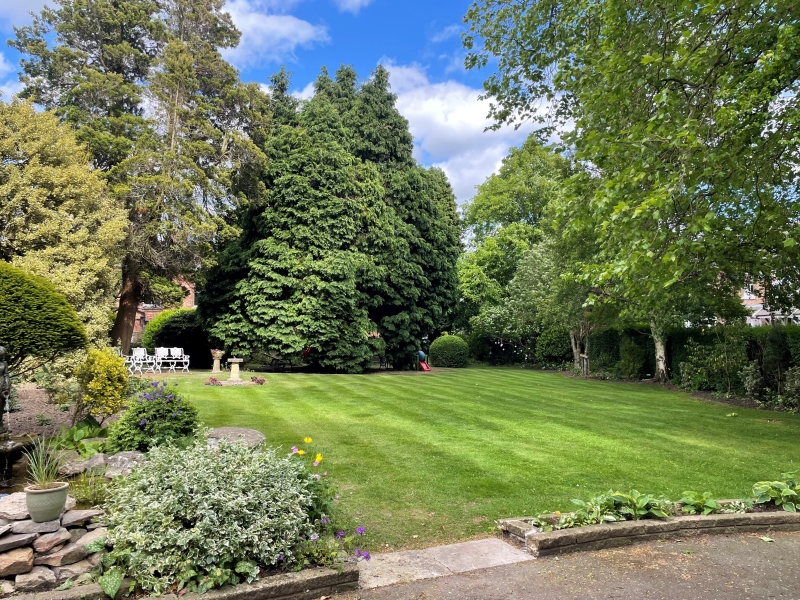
(302, 585)
(624, 533)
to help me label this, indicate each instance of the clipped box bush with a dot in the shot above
(154, 417)
(449, 351)
(204, 517)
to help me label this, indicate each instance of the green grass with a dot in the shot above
(434, 458)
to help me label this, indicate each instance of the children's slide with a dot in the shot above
(424, 366)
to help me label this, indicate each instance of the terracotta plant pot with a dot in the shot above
(46, 505)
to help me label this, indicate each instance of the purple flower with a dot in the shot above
(365, 555)
(340, 534)
(314, 537)
(325, 520)
(360, 530)
(358, 551)
(294, 450)
(317, 476)
(280, 556)
(155, 384)
(143, 422)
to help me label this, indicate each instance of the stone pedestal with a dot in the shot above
(234, 363)
(216, 368)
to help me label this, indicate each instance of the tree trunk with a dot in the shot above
(660, 339)
(129, 299)
(576, 348)
(585, 364)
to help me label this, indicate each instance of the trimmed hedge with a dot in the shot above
(154, 326)
(35, 319)
(449, 351)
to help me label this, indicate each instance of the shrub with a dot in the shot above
(152, 329)
(553, 348)
(204, 517)
(103, 380)
(449, 351)
(632, 359)
(182, 329)
(154, 418)
(35, 320)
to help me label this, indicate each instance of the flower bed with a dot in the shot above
(618, 519)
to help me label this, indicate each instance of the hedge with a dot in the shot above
(449, 351)
(179, 328)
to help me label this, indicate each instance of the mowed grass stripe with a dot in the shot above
(475, 445)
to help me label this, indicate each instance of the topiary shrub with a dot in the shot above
(103, 381)
(154, 418)
(204, 517)
(449, 351)
(35, 320)
(182, 329)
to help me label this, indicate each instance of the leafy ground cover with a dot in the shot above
(434, 458)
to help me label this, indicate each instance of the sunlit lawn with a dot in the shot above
(438, 457)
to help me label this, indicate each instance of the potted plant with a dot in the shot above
(45, 496)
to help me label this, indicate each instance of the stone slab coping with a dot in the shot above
(307, 584)
(623, 533)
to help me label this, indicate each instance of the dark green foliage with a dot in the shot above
(153, 418)
(350, 238)
(182, 329)
(553, 347)
(153, 327)
(449, 351)
(35, 320)
(632, 359)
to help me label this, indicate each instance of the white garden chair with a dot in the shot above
(179, 359)
(138, 360)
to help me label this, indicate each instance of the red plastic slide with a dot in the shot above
(424, 366)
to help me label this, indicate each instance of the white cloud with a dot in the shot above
(9, 88)
(352, 6)
(446, 33)
(16, 12)
(5, 66)
(447, 121)
(266, 36)
(306, 93)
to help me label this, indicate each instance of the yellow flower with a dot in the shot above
(307, 440)
(318, 458)
(301, 452)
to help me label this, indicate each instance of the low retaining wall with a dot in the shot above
(307, 584)
(613, 535)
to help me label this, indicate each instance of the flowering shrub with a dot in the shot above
(203, 517)
(155, 417)
(212, 381)
(327, 550)
(258, 380)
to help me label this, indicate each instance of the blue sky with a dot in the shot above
(418, 41)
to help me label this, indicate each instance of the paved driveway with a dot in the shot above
(701, 568)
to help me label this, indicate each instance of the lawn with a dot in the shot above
(433, 458)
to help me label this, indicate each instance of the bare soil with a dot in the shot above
(33, 406)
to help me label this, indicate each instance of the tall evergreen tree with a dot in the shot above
(176, 168)
(301, 289)
(415, 298)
